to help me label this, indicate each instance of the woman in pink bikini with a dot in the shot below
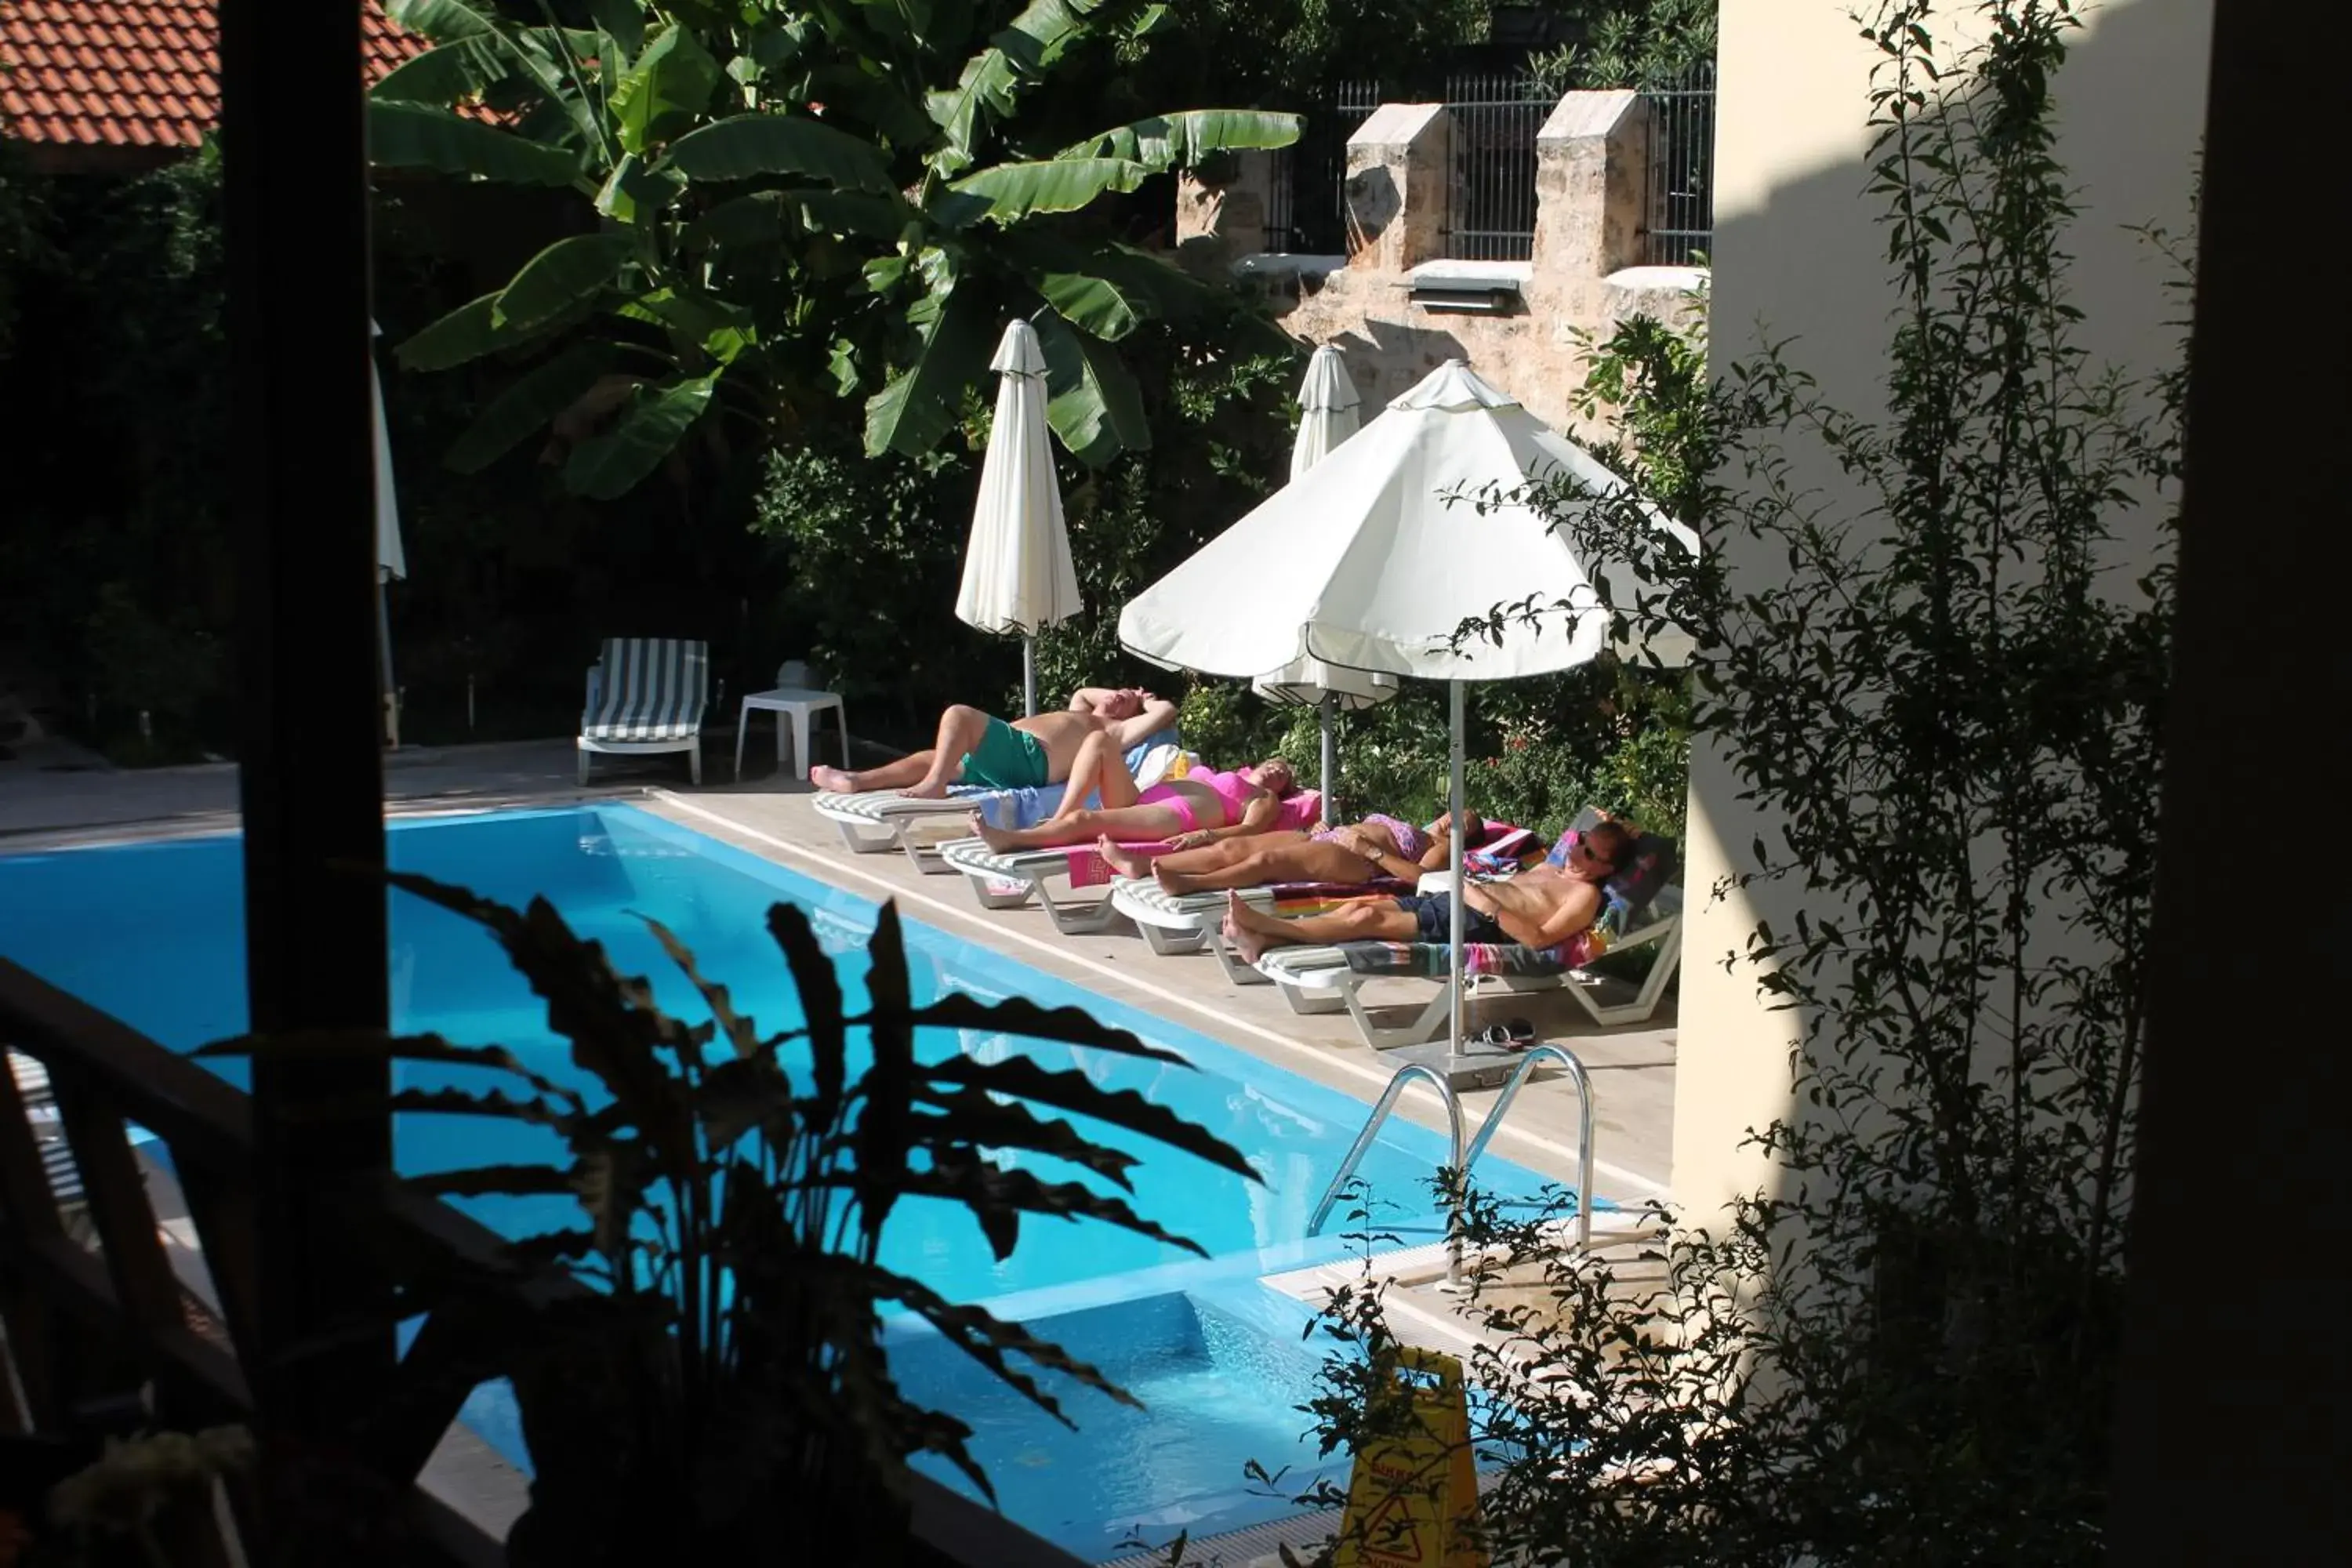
(1202, 807)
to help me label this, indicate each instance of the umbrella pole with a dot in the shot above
(1029, 677)
(383, 663)
(1331, 753)
(1455, 836)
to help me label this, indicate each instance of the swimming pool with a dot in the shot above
(152, 932)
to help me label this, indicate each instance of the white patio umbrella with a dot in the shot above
(1017, 575)
(1368, 562)
(391, 560)
(1311, 683)
(1329, 410)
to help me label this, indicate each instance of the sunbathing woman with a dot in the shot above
(1350, 856)
(1200, 808)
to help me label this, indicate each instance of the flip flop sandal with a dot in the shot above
(1517, 1035)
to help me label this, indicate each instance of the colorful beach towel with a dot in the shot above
(1432, 960)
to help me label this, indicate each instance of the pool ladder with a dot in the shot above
(1464, 1158)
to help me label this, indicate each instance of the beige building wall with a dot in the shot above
(1798, 255)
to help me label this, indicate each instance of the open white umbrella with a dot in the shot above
(1372, 559)
(1329, 410)
(391, 560)
(1017, 575)
(1311, 683)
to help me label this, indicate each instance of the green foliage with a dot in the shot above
(118, 572)
(798, 203)
(1648, 379)
(871, 539)
(23, 239)
(1905, 1349)
(1538, 751)
(714, 1377)
(1629, 43)
(1225, 419)
(165, 664)
(1292, 52)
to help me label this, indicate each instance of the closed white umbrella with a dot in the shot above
(1017, 573)
(391, 560)
(1375, 557)
(1329, 410)
(1311, 683)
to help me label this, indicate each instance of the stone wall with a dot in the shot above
(1398, 308)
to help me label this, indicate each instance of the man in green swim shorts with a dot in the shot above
(977, 748)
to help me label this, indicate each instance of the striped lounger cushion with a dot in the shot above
(649, 689)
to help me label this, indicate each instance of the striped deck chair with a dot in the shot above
(41, 1114)
(646, 695)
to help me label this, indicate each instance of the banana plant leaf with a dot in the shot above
(421, 136)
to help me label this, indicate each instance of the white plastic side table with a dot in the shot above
(797, 703)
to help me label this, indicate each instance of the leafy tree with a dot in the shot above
(118, 573)
(793, 203)
(22, 239)
(1630, 43)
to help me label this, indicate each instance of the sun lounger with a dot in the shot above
(1005, 881)
(1184, 923)
(40, 1105)
(1316, 980)
(874, 822)
(646, 695)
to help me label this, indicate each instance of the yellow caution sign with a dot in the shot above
(1413, 1498)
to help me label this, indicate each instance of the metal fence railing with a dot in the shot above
(1491, 205)
(1306, 210)
(1491, 215)
(1681, 229)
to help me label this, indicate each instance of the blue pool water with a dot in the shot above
(152, 933)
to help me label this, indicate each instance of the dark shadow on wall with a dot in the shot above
(1409, 352)
(1793, 271)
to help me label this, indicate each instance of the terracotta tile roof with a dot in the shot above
(132, 73)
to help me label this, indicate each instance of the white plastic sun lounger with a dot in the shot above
(1316, 980)
(646, 695)
(1186, 922)
(1007, 881)
(874, 822)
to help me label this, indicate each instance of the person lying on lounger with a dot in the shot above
(1349, 855)
(1541, 906)
(1202, 807)
(977, 748)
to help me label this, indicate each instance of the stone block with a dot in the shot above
(1593, 184)
(1219, 223)
(1400, 172)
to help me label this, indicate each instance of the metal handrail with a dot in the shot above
(1406, 1074)
(1583, 1081)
